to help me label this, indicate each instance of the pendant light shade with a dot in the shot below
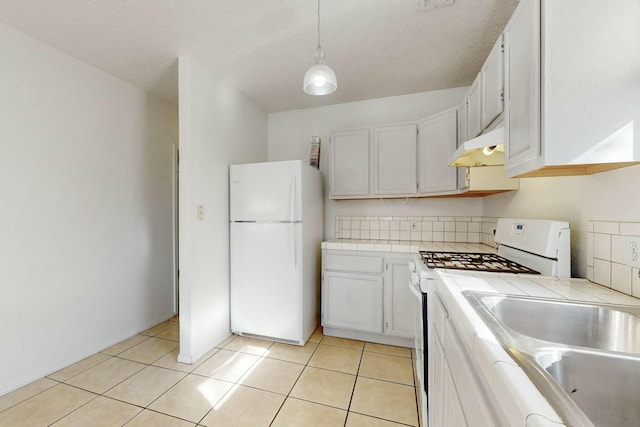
(320, 78)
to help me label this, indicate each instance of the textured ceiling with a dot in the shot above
(263, 47)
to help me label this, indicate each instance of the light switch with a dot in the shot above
(200, 212)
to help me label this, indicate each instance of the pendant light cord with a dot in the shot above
(318, 23)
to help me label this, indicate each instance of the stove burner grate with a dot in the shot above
(473, 261)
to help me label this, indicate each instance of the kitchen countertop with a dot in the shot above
(520, 400)
(403, 246)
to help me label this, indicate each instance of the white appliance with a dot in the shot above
(276, 231)
(529, 246)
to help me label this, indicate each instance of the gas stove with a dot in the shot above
(530, 246)
(473, 261)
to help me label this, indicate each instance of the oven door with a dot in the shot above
(420, 311)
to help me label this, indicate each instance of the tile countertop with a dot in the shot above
(522, 403)
(403, 246)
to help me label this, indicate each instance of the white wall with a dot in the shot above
(613, 195)
(290, 137)
(85, 209)
(218, 126)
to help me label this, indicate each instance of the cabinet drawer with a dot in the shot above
(356, 263)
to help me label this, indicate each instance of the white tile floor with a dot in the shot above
(242, 382)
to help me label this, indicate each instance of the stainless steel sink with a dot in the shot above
(583, 357)
(607, 327)
(603, 386)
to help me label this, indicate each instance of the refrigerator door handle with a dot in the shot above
(293, 247)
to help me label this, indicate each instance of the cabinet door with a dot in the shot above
(471, 394)
(591, 110)
(493, 84)
(445, 408)
(474, 113)
(352, 301)
(453, 413)
(394, 159)
(399, 301)
(436, 382)
(349, 163)
(462, 122)
(522, 84)
(437, 141)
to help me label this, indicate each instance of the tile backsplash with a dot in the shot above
(608, 255)
(417, 228)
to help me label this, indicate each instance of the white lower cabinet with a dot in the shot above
(352, 301)
(456, 393)
(444, 405)
(366, 295)
(399, 299)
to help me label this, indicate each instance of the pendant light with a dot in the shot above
(320, 78)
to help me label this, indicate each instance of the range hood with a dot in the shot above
(484, 150)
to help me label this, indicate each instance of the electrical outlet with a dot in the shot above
(200, 212)
(633, 248)
(414, 225)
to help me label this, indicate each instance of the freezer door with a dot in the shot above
(265, 191)
(266, 285)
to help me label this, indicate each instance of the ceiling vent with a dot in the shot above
(431, 4)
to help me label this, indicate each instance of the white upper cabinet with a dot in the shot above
(437, 139)
(394, 159)
(349, 163)
(462, 122)
(484, 102)
(474, 108)
(406, 160)
(493, 84)
(522, 44)
(572, 102)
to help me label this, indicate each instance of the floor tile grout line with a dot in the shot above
(355, 384)
(34, 395)
(161, 413)
(82, 372)
(96, 395)
(115, 385)
(75, 409)
(415, 388)
(97, 364)
(235, 383)
(297, 379)
(387, 381)
(382, 419)
(262, 356)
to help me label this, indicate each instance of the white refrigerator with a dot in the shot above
(276, 231)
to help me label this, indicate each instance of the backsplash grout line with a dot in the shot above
(606, 255)
(416, 228)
